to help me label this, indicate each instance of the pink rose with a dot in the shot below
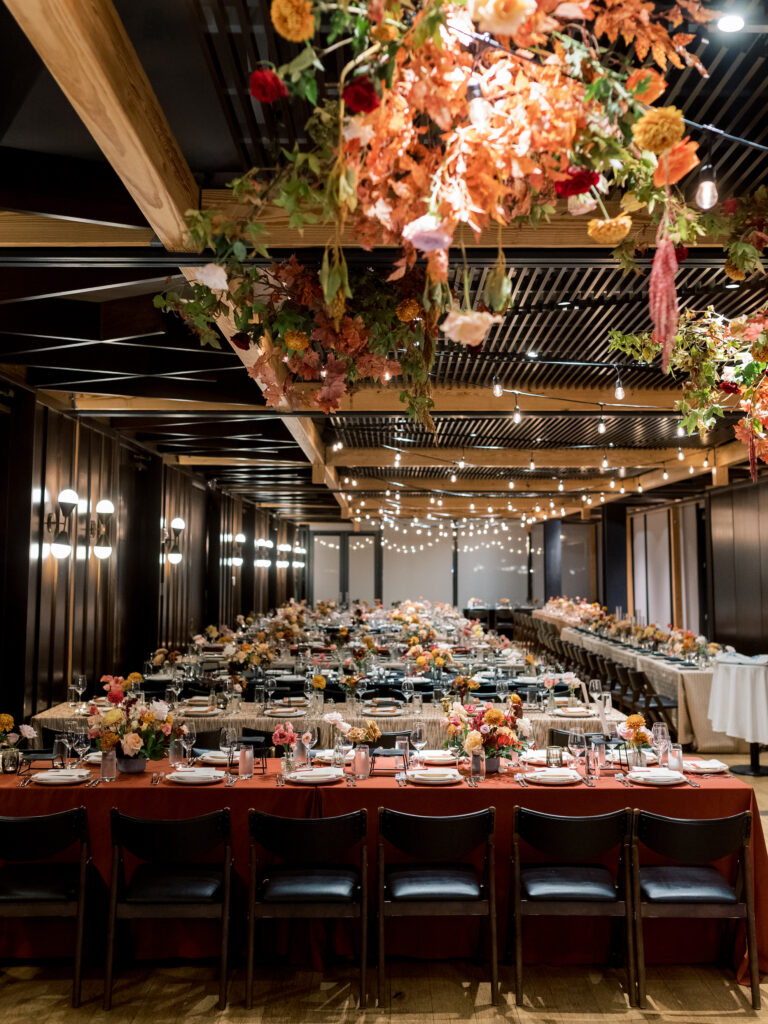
(468, 328)
(93, 732)
(167, 729)
(131, 744)
(27, 732)
(427, 233)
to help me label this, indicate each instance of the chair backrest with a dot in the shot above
(308, 840)
(693, 840)
(559, 737)
(176, 841)
(43, 835)
(436, 838)
(258, 737)
(208, 740)
(572, 837)
(388, 740)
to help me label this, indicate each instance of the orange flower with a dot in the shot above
(635, 722)
(659, 129)
(677, 162)
(297, 340)
(647, 84)
(293, 19)
(611, 231)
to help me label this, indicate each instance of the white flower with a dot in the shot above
(502, 17)
(159, 709)
(583, 203)
(355, 129)
(212, 275)
(229, 651)
(427, 233)
(27, 732)
(468, 328)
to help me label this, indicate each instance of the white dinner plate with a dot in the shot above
(700, 766)
(62, 777)
(655, 776)
(191, 777)
(539, 757)
(573, 713)
(433, 776)
(200, 712)
(438, 757)
(285, 713)
(554, 777)
(315, 776)
(215, 757)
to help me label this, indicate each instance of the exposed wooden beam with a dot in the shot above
(478, 399)
(108, 404)
(87, 50)
(562, 232)
(25, 230)
(203, 460)
(443, 485)
(23, 285)
(549, 458)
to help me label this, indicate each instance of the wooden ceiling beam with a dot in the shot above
(26, 230)
(510, 458)
(89, 54)
(434, 486)
(139, 405)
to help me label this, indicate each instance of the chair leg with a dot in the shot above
(631, 975)
(224, 958)
(494, 959)
(518, 931)
(640, 957)
(110, 955)
(77, 980)
(382, 981)
(251, 953)
(363, 956)
(754, 971)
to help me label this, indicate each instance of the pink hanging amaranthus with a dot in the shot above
(662, 295)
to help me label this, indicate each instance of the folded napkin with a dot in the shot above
(711, 765)
(557, 773)
(434, 773)
(655, 773)
(207, 773)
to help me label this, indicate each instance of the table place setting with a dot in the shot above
(554, 776)
(434, 776)
(315, 776)
(61, 777)
(657, 776)
(195, 776)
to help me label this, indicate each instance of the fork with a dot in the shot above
(520, 780)
(620, 777)
(588, 782)
(696, 785)
(153, 780)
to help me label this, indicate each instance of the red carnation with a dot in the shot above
(241, 340)
(266, 86)
(580, 180)
(728, 387)
(731, 207)
(360, 96)
(681, 253)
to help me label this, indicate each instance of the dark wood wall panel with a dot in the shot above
(181, 585)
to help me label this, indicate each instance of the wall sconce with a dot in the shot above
(260, 542)
(174, 555)
(262, 563)
(237, 555)
(281, 563)
(100, 529)
(58, 524)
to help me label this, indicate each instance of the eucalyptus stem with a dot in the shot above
(600, 203)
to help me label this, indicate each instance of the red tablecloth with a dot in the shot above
(586, 941)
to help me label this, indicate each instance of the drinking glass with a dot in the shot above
(417, 703)
(408, 688)
(660, 733)
(60, 748)
(595, 689)
(530, 696)
(245, 761)
(477, 765)
(170, 696)
(227, 743)
(80, 684)
(108, 770)
(72, 696)
(175, 752)
(554, 757)
(402, 746)
(188, 741)
(577, 744)
(362, 762)
(308, 686)
(269, 686)
(418, 741)
(675, 758)
(82, 744)
(310, 739)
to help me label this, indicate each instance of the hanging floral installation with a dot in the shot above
(450, 117)
(717, 359)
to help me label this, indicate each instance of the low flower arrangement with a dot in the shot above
(470, 726)
(11, 736)
(463, 685)
(350, 683)
(355, 733)
(258, 655)
(634, 732)
(318, 682)
(138, 730)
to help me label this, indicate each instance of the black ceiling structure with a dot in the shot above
(82, 320)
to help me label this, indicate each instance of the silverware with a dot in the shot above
(696, 785)
(153, 780)
(160, 778)
(588, 782)
(354, 782)
(520, 780)
(21, 783)
(620, 777)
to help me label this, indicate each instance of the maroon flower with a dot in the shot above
(360, 96)
(580, 180)
(681, 253)
(728, 387)
(241, 340)
(266, 86)
(731, 207)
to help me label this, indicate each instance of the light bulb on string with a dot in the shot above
(511, 485)
(706, 191)
(561, 486)
(604, 463)
(517, 414)
(639, 488)
(730, 23)
(680, 430)
(532, 464)
(453, 478)
(680, 455)
(601, 421)
(619, 389)
(665, 474)
(706, 461)
(497, 388)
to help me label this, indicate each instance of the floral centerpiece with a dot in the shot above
(368, 733)
(284, 736)
(637, 738)
(318, 682)
(470, 726)
(10, 739)
(350, 683)
(254, 655)
(463, 685)
(138, 732)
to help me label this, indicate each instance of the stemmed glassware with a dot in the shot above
(418, 742)
(577, 744)
(309, 736)
(502, 689)
(227, 743)
(660, 733)
(79, 685)
(269, 686)
(188, 741)
(595, 688)
(408, 689)
(82, 743)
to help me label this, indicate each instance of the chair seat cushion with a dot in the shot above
(309, 885)
(673, 884)
(175, 883)
(43, 883)
(568, 882)
(433, 882)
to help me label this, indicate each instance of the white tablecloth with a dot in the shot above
(738, 703)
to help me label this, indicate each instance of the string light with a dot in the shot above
(601, 421)
(619, 389)
(680, 430)
(706, 461)
(639, 488)
(511, 485)
(532, 464)
(517, 414)
(604, 463)
(496, 388)
(680, 455)
(622, 471)
(706, 192)
(561, 486)
(453, 478)
(665, 474)
(461, 463)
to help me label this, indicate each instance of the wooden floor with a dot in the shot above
(420, 993)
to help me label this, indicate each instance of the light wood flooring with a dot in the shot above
(421, 993)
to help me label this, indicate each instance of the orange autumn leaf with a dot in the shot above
(646, 84)
(676, 163)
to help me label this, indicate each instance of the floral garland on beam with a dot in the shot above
(447, 117)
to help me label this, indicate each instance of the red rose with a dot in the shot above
(581, 180)
(360, 96)
(728, 387)
(266, 86)
(681, 253)
(731, 207)
(242, 339)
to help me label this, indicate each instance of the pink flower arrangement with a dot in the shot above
(284, 736)
(114, 687)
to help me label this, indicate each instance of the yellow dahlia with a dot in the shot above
(635, 722)
(493, 716)
(293, 19)
(408, 310)
(609, 232)
(659, 129)
(297, 340)
(6, 723)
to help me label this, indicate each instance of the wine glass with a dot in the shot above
(80, 684)
(408, 689)
(269, 686)
(577, 744)
(309, 737)
(418, 741)
(660, 733)
(595, 689)
(502, 689)
(308, 685)
(227, 743)
(82, 744)
(188, 741)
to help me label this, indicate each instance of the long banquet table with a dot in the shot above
(691, 687)
(667, 941)
(252, 716)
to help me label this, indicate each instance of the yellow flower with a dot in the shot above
(474, 739)
(659, 129)
(408, 310)
(630, 203)
(611, 231)
(109, 740)
(318, 682)
(386, 34)
(735, 273)
(133, 679)
(439, 662)
(529, 659)
(6, 723)
(493, 716)
(113, 716)
(372, 730)
(635, 722)
(293, 19)
(421, 661)
(297, 340)
(473, 684)
(515, 699)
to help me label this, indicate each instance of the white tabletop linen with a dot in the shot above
(738, 702)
